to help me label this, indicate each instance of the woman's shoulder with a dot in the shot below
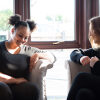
(2, 44)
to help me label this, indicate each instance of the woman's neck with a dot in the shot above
(12, 48)
(11, 45)
(94, 45)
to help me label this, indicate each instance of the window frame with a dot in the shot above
(84, 10)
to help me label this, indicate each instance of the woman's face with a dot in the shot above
(20, 35)
(95, 37)
(91, 32)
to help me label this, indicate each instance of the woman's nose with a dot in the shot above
(23, 40)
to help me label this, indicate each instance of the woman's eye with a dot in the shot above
(20, 35)
(26, 38)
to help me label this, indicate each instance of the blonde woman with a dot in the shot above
(87, 86)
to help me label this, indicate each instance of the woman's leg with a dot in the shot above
(84, 80)
(85, 94)
(25, 91)
(5, 92)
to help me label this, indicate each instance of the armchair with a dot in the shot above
(38, 76)
(73, 69)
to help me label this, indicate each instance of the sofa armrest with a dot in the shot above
(38, 74)
(75, 68)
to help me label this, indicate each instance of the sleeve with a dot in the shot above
(28, 50)
(90, 52)
(77, 54)
(96, 68)
(37, 50)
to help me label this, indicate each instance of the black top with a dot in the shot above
(16, 65)
(77, 54)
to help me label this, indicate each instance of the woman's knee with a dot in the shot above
(25, 91)
(85, 94)
(5, 92)
(82, 76)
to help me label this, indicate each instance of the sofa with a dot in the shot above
(38, 75)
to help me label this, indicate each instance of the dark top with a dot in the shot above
(16, 65)
(77, 54)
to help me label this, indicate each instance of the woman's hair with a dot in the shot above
(17, 22)
(95, 28)
(95, 22)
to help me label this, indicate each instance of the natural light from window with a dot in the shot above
(54, 18)
(6, 10)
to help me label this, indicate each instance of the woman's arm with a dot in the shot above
(95, 65)
(76, 55)
(96, 68)
(48, 56)
(35, 57)
(10, 80)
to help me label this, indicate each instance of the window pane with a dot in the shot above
(54, 18)
(6, 10)
(99, 7)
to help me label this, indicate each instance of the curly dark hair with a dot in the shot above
(17, 22)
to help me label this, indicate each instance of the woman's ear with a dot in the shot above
(12, 30)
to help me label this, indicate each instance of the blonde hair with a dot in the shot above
(94, 38)
(92, 42)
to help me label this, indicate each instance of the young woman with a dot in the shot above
(87, 86)
(17, 61)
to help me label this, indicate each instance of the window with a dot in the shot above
(54, 23)
(6, 10)
(53, 16)
(99, 7)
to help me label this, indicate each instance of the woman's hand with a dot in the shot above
(93, 60)
(6, 78)
(11, 80)
(15, 80)
(84, 60)
(20, 80)
(33, 60)
(35, 57)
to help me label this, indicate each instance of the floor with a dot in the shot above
(56, 79)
